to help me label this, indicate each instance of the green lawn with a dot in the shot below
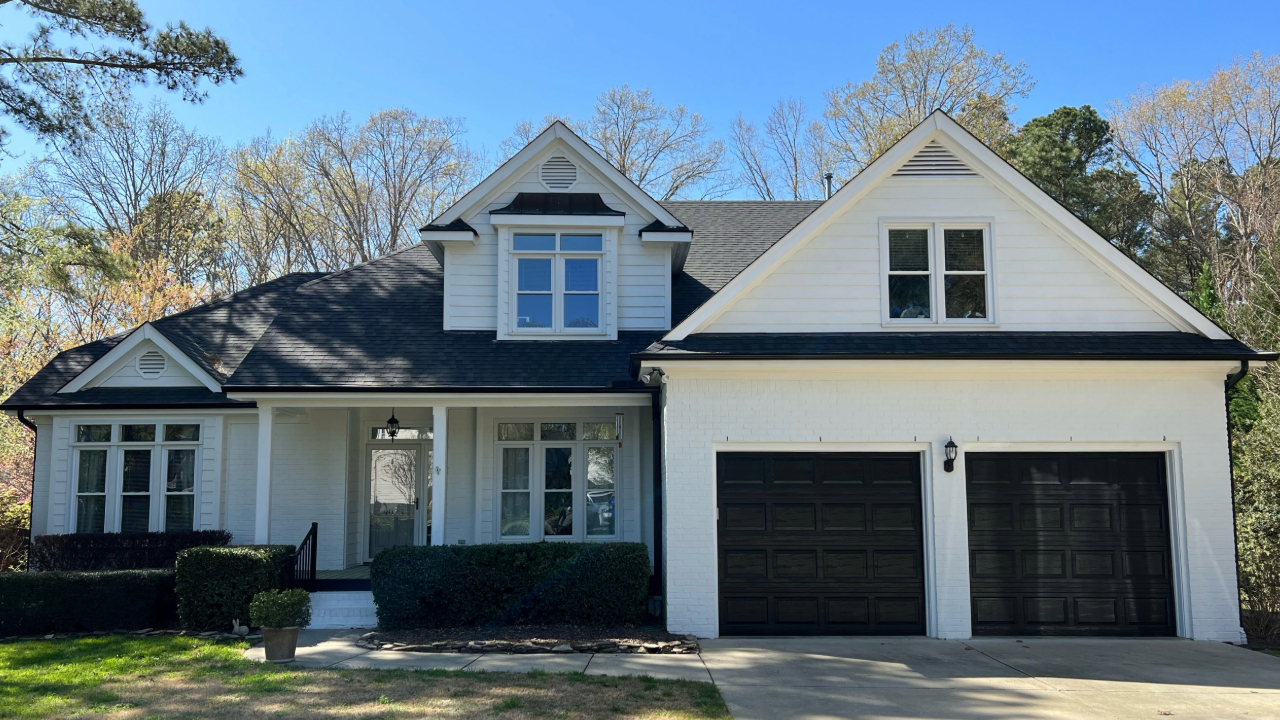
(182, 677)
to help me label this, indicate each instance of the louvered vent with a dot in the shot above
(151, 364)
(934, 160)
(558, 174)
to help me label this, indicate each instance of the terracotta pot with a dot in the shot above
(281, 643)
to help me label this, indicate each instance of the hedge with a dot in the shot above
(458, 586)
(216, 584)
(118, 551)
(37, 603)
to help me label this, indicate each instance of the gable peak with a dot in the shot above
(935, 160)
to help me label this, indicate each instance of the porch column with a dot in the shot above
(262, 507)
(439, 453)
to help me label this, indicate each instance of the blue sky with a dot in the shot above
(497, 63)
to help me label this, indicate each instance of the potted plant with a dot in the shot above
(281, 615)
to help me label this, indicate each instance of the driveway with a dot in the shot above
(1059, 678)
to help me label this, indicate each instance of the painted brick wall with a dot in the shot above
(1117, 406)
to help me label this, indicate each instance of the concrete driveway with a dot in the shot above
(1059, 678)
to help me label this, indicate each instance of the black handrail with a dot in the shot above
(304, 569)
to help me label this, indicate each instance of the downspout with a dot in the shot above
(656, 585)
(31, 514)
(1231, 382)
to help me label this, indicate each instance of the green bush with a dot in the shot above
(216, 584)
(451, 585)
(276, 609)
(35, 603)
(118, 551)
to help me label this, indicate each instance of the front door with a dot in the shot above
(396, 498)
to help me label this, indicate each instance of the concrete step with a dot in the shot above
(346, 609)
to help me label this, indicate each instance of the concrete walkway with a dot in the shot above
(337, 649)
(1059, 678)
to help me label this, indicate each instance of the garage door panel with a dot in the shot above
(820, 543)
(1088, 554)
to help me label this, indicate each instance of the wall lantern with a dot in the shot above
(950, 448)
(393, 426)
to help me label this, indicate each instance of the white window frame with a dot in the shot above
(937, 271)
(537, 479)
(558, 291)
(115, 448)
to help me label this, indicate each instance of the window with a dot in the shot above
(143, 481)
(937, 273)
(546, 491)
(557, 281)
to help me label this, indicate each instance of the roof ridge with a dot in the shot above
(357, 266)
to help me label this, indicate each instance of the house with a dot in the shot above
(936, 403)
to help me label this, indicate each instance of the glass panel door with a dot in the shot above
(393, 497)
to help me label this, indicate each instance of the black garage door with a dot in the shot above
(1069, 544)
(820, 544)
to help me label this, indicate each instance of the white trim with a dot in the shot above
(665, 237)
(1162, 300)
(146, 331)
(518, 162)
(450, 236)
(502, 220)
(439, 465)
(427, 399)
(262, 500)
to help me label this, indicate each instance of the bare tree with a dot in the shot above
(757, 170)
(929, 70)
(524, 133)
(786, 162)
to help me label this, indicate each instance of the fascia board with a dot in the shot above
(1073, 230)
(666, 237)
(146, 331)
(449, 236)
(845, 197)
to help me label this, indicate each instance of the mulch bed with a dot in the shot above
(532, 639)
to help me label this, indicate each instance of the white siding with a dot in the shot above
(460, 477)
(124, 372)
(209, 491)
(833, 283)
(241, 478)
(638, 299)
(60, 477)
(1109, 406)
(40, 479)
(308, 480)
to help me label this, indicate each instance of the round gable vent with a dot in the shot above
(558, 174)
(151, 364)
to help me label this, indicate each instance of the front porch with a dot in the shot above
(502, 468)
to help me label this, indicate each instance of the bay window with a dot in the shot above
(130, 478)
(546, 491)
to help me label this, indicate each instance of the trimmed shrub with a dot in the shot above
(118, 551)
(36, 603)
(453, 585)
(277, 609)
(216, 584)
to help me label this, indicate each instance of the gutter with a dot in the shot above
(31, 512)
(532, 389)
(23, 419)
(680, 357)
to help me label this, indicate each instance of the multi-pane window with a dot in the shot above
(558, 278)
(136, 477)
(937, 273)
(546, 490)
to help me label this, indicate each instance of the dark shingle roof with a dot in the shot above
(727, 236)
(957, 345)
(527, 203)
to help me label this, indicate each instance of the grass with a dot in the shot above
(181, 677)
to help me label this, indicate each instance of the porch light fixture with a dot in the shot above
(950, 449)
(393, 426)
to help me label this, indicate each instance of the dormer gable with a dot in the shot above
(557, 244)
(145, 358)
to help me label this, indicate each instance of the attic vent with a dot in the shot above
(934, 160)
(558, 174)
(151, 364)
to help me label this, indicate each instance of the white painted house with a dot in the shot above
(936, 403)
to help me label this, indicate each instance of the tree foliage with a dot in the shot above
(46, 81)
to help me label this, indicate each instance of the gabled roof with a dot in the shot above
(560, 133)
(991, 166)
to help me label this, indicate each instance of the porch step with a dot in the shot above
(347, 609)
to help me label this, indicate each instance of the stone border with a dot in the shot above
(687, 646)
(145, 632)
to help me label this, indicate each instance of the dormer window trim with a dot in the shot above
(555, 270)
(936, 272)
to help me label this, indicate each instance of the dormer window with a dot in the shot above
(558, 280)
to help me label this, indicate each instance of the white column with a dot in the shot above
(262, 506)
(439, 458)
